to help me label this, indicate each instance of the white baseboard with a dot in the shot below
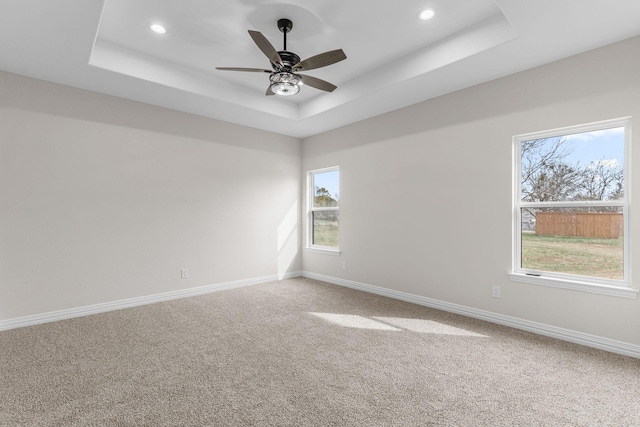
(588, 340)
(133, 302)
(601, 343)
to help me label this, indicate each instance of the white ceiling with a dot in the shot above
(393, 59)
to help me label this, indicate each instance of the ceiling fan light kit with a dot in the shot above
(284, 78)
(284, 83)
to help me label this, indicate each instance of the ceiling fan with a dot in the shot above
(284, 78)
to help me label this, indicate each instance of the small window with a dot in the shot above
(571, 205)
(324, 209)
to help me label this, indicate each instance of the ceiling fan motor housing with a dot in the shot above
(289, 59)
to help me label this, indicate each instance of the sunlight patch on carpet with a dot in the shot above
(427, 327)
(395, 324)
(354, 321)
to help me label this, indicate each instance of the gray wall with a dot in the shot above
(104, 199)
(426, 192)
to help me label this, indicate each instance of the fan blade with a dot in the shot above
(269, 92)
(251, 70)
(266, 47)
(317, 83)
(321, 60)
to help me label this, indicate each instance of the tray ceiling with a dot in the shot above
(393, 58)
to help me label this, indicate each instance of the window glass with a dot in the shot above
(571, 204)
(581, 166)
(580, 241)
(325, 188)
(326, 228)
(324, 201)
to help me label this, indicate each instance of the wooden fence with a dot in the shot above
(601, 225)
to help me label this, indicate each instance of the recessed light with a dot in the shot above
(157, 28)
(427, 14)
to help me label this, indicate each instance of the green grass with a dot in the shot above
(601, 258)
(326, 233)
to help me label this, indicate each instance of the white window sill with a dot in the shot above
(616, 291)
(324, 251)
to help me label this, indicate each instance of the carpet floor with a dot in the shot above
(304, 353)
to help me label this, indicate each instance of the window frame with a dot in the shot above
(332, 250)
(621, 288)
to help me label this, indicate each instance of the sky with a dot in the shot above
(598, 145)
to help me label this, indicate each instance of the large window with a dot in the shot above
(571, 207)
(324, 209)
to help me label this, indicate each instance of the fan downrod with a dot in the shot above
(285, 26)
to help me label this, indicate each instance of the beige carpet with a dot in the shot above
(304, 353)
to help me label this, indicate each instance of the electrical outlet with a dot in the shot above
(344, 265)
(184, 273)
(495, 291)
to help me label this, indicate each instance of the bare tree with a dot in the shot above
(546, 176)
(601, 180)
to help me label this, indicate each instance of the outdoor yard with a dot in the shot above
(326, 232)
(574, 255)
